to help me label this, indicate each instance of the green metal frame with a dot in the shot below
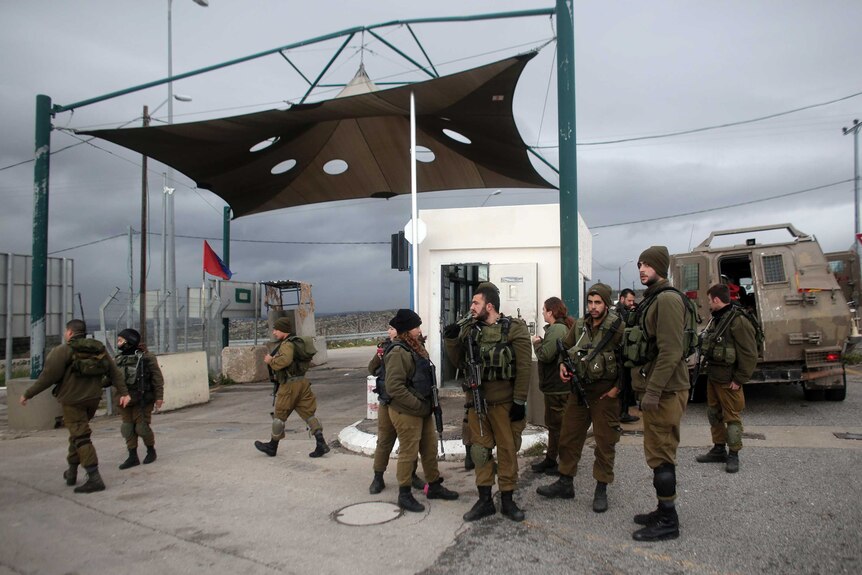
(567, 170)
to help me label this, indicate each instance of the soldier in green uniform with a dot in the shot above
(729, 349)
(660, 379)
(77, 369)
(409, 380)
(502, 351)
(294, 392)
(593, 344)
(146, 387)
(555, 390)
(386, 434)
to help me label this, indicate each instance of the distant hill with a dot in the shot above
(326, 323)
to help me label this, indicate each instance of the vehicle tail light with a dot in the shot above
(691, 294)
(834, 356)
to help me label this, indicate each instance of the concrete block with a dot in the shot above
(244, 364)
(41, 412)
(186, 379)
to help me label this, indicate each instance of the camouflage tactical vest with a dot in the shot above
(496, 355)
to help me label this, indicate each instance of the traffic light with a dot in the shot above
(400, 252)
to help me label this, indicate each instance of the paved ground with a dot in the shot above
(212, 503)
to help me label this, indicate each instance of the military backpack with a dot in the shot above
(89, 357)
(639, 347)
(303, 352)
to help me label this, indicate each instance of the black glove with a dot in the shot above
(451, 331)
(517, 412)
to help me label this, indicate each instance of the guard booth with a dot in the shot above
(515, 247)
(293, 299)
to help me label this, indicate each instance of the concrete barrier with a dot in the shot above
(186, 379)
(41, 411)
(244, 364)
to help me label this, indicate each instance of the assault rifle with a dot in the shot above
(272, 377)
(438, 414)
(473, 377)
(142, 378)
(577, 388)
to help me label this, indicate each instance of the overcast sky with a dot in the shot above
(642, 69)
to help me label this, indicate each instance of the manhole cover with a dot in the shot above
(371, 513)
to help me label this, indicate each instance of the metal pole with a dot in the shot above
(172, 304)
(130, 308)
(161, 346)
(414, 211)
(10, 286)
(225, 334)
(569, 249)
(39, 271)
(142, 296)
(857, 230)
(108, 394)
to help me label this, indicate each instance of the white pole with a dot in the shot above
(161, 347)
(414, 211)
(10, 289)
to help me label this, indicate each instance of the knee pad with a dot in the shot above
(664, 480)
(277, 427)
(713, 414)
(313, 425)
(127, 430)
(734, 435)
(481, 455)
(142, 429)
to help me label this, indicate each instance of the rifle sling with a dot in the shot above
(604, 341)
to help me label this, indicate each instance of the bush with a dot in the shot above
(853, 358)
(217, 379)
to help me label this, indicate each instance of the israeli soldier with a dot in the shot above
(660, 379)
(77, 369)
(294, 392)
(146, 387)
(729, 349)
(410, 378)
(593, 345)
(502, 350)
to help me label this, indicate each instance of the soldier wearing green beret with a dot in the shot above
(294, 392)
(502, 349)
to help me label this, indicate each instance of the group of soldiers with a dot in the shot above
(584, 367)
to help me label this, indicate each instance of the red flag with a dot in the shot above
(213, 264)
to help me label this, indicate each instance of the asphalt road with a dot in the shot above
(213, 504)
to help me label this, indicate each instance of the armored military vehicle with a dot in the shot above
(791, 290)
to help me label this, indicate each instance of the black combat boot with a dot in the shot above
(320, 448)
(546, 465)
(94, 482)
(377, 484)
(509, 508)
(718, 454)
(407, 502)
(482, 508)
(468, 459)
(626, 417)
(562, 488)
(151, 454)
(71, 474)
(732, 465)
(270, 447)
(437, 491)
(664, 526)
(647, 518)
(600, 497)
(416, 482)
(131, 460)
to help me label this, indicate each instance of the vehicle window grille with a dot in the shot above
(690, 274)
(773, 269)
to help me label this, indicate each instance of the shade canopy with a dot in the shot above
(353, 147)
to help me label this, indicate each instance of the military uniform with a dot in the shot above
(79, 396)
(729, 350)
(555, 391)
(505, 361)
(627, 396)
(293, 394)
(594, 351)
(137, 415)
(386, 435)
(662, 385)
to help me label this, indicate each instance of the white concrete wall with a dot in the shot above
(186, 379)
(493, 235)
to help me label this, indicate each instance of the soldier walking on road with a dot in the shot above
(555, 390)
(502, 352)
(655, 346)
(146, 386)
(410, 378)
(289, 365)
(625, 306)
(729, 349)
(593, 344)
(77, 370)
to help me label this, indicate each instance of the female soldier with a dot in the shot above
(146, 388)
(409, 377)
(555, 390)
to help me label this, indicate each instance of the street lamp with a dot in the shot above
(620, 276)
(488, 197)
(171, 268)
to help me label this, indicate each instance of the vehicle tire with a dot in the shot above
(699, 395)
(812, 394)
(838, 394)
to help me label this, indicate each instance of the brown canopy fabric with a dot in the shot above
(369, 132)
